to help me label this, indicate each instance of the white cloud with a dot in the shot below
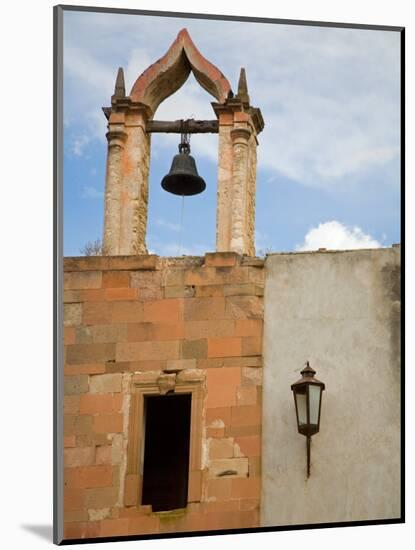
(329, 97)
(167, 225)
(90, 192)
(79, 143)
(83, 66)
(336, 236)
(139, 60)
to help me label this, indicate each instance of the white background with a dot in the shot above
(26, 270)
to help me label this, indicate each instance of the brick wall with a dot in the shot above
(149, 320)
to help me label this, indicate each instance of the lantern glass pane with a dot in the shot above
(314, 394)
(301, 407)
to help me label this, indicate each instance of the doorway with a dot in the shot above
(166, 451)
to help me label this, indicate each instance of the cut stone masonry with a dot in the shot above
(140, 325)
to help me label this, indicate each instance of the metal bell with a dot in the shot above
(183, 178)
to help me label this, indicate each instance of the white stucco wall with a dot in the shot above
(340, 311)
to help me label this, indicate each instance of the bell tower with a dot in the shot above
(130, 124)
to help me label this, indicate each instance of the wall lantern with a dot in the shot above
(307, 397)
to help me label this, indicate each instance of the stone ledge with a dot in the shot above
(148, 262)
(253, 261)
(222, 259)
(152, 262)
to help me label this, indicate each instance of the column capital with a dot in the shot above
(126, 105)
(234, 106)
(240, 135)
(116, 137)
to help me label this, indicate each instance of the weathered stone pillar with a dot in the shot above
(224, 190)
(116, 139)
(126, 187)
(239, 214)
(251, 194)
(134, 197)
(239, 125)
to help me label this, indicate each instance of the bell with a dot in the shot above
(183, 178)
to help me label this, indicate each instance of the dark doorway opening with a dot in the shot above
(166, 451)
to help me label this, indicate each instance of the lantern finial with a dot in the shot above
(308, 371)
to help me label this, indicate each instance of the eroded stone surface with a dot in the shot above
(224, 468)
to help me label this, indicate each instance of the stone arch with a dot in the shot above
(164, 77)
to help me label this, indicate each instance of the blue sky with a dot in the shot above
(328, 159)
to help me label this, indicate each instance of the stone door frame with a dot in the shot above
(192, 382)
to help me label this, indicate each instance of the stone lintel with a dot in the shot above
(148, 378)
(167, 381)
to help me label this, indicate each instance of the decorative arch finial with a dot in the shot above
(169, 73)
(243, 87)
(119, 90)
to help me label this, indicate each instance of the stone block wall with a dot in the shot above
(138, 324)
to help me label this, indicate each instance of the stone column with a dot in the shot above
(126, 192)
(251, 195)
(224, 190)
(116, 139)
(239, 125)
(134, 195)
(240, 138)
(235, 218)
